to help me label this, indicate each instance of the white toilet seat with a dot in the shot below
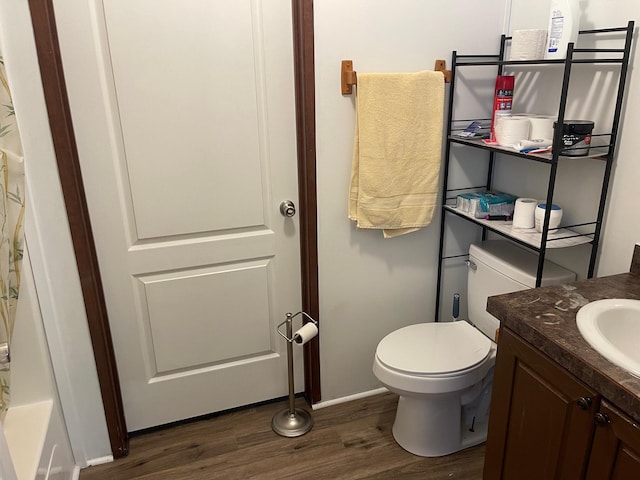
(434, 349)
(460, 353)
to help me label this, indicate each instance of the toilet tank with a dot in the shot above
(499, 266)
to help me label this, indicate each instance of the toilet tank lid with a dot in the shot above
(433, 348)
(518, 264)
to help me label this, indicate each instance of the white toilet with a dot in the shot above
(443, 371)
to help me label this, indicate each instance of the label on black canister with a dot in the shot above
(575, 144)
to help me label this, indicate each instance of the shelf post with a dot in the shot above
(612, 144)
(555, 153)
(445, 183)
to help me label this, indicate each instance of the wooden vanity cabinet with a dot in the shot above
(546, 424)
(541, 422)
(615, 454)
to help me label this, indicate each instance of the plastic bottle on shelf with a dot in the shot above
(564, 21)
(502, 100)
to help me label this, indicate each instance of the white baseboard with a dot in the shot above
(348, 398)
(99, 461)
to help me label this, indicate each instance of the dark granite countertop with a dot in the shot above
(546, 318)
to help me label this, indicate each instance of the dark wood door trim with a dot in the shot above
(64, 144)
(51, 71)
(303, 35)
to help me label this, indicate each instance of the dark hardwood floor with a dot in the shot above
(348, 441)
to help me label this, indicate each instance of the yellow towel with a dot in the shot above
(397, 150)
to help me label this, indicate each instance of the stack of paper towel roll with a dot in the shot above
(540, 126)
(513, 129)
(510, 130)
(528, 44)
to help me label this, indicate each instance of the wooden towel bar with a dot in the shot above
(349, 78)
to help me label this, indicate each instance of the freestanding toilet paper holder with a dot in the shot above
(294, 422)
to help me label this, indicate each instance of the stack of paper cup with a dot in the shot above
(528, 44)
(510, 130)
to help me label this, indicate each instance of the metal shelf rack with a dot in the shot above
(549, 238)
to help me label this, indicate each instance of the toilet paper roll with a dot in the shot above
(528, 44)
(306, 333)
(510, 130)
(524, 213)
(541, 126)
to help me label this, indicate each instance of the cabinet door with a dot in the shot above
(541, 421)
(616, 447)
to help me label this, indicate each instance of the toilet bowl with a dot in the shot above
(451, 373)
(443, 372)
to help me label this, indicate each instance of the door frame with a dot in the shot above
(64, 143)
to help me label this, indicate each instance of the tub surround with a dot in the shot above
(546, 318)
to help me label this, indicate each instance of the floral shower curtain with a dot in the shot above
(11, 220)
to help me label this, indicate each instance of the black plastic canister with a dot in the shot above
(576, 137)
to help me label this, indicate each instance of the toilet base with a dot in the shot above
(423, 426)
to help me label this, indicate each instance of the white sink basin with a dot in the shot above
(612, 328)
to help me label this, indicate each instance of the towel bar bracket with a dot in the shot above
(348, 77)
(441, 66)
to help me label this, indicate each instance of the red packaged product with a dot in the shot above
(502, 100)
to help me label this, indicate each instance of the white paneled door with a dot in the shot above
(184, 116)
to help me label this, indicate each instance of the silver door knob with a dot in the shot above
(287, 208)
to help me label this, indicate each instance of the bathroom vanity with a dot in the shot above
(559, 409)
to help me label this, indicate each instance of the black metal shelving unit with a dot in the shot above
(604, 152)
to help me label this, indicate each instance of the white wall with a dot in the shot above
(47, 231)
(621, 229)
(370, 286)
